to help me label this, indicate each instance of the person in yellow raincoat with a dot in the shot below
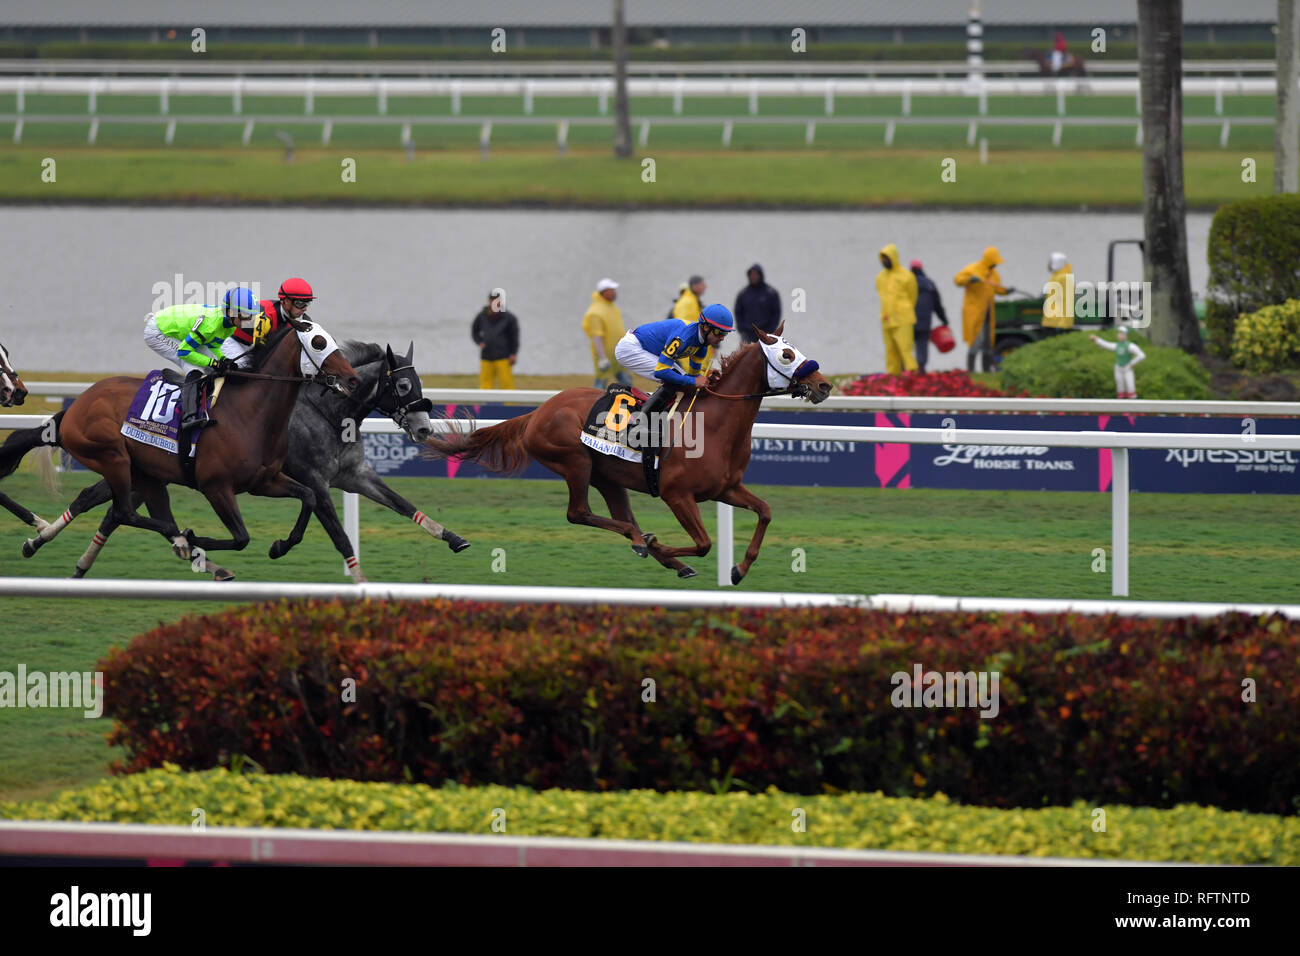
(1058, 307)
(603, 324)
(897, 287)
(981, 282)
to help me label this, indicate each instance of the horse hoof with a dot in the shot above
(223, 575)
(455, 542)
(736, 576)
(641, 551)
(686, 571)
(181, 549)
(79, 573)
(30, 546)
(278, 549)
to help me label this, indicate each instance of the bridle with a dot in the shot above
(386, 395)
(326, 380)
(806, 368)
(18, 394)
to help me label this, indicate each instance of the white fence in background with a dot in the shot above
(1119, 444)
(602, 88)
(193, 66)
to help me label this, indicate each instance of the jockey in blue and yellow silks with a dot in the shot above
(675, 352)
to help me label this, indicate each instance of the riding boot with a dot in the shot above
(191, 415)
(661, 399)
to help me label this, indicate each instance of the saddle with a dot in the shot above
(613, 427)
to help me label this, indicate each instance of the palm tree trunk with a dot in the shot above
(1164, 203)
(1286, 138)
(622, 122)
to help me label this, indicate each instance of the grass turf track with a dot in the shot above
(860, 175)
(1030, 544)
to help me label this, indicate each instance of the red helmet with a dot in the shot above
(296, 289)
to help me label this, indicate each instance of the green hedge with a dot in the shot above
(1114, 709)
(1254, 253)
(849, 821)
(1268, 340)
(1071, 366)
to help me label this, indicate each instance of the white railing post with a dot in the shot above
(726, 543)
(351, 526)
(1119, 522)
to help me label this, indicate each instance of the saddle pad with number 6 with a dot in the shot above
(154, 417)
(606, 428)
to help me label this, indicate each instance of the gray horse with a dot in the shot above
(325, 450)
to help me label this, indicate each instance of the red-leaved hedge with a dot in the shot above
(1106, 709)
(939, 384)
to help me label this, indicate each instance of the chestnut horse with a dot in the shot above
(242, 451)
(725, 412)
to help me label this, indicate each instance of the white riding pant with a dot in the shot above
(633, 357)
(1124, 382)
(166, 346)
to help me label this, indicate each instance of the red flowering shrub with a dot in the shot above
(941, 384)
(1106, 709)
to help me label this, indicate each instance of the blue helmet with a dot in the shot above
(718, 316)
(241, 302)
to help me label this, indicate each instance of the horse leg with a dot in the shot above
(742, 497)
(21, 513)
(91, 497)
(159, 503)
(366, 482)
(620, 509)
(323, 506)
(106, 527)
(576, 472)
(687, 512)
(282, 546)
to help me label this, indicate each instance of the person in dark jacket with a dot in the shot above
(496, 333)
(758, 306)
(927, 303)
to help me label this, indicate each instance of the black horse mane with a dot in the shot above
(362, 353)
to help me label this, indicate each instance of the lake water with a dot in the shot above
(80, 280)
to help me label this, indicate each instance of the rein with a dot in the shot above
(768, 394)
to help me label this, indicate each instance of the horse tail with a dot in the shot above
(20, 442)
(49, 474)
(498, 448)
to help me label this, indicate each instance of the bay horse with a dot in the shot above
(242, 451)
(14, 392)
(325, 450)
(726, 413)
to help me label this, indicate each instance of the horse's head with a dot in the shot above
(12, 389)
(323, 361)
(790, 370)
(401, 395)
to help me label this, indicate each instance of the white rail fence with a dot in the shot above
(1119, 444)
(312, 89)
(597, 68)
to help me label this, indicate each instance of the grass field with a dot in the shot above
(1183, 547)
(809, 178)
